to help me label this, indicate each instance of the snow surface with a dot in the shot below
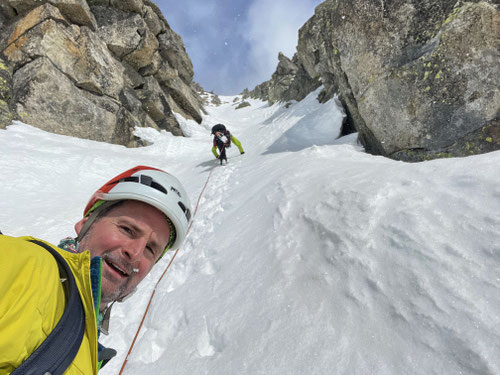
(306, 256)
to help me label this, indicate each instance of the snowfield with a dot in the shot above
(306, 255)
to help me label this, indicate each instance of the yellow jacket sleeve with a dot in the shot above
(214, 151)
(32, 301)
(237, 143)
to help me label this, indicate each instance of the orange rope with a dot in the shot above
(163, 274)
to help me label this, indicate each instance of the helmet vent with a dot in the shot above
(144, 180)
(187, 212)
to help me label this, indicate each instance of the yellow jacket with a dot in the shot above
(32, 301)
(233, 139)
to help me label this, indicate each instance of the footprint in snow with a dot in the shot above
(209, 342)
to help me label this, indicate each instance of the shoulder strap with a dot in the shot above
(59, 349)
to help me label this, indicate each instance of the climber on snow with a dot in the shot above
(222, 140)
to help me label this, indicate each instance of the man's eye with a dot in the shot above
(126, 229)
(150, 249)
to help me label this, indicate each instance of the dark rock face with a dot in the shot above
(260, 91)
(93, 69)
(290, 82)
(7, 111)
(419, 79)
(243, 105)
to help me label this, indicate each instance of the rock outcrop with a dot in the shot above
(243, 104)
(419, 79)
(290, 81)
(94, 69)
(260, 91)
(7, 110)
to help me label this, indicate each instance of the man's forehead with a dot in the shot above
(140, 214)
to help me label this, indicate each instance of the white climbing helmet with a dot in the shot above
(149, 185)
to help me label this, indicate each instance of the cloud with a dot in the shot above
(189, 14)
(235, 45)
(273, 27)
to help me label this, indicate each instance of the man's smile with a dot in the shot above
(119, 270)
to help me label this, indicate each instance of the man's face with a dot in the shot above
(130, 238)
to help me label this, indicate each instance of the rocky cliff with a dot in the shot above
(419, 79)
(93, 69)
(290, 81)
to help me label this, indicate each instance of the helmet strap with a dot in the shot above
(93, 216)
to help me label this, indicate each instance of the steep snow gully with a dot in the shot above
(306, 256)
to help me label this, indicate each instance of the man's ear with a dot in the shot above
(79, 225)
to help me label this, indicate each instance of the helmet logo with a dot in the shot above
(176, 191)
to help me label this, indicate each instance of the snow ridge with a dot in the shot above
(306, 256)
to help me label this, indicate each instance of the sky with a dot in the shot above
(306, 255)
(235, 44)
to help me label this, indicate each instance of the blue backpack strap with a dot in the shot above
(60, 347)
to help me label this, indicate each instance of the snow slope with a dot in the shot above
(306, 255)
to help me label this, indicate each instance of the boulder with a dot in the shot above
(426, 77)
(6, 12)
(121, 31)
(156, 9)
(44, 31)
(98, 3)
(419, 79)
(133, 6)
(76, 112)
(124, 129)
(243, 105)
(282, 78)
(153, 67)
(129, 98)
(155, 102)
(187, 101)
(7, 111)
(216, 100)
(173, 51)
(97, 70)
(185, 98)
(153, 99)
(153, 21)
(143, 55)
(131, 76)
(77, 52)
(93, 72)
(261, 91)
(76, 11)
(291, 81)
